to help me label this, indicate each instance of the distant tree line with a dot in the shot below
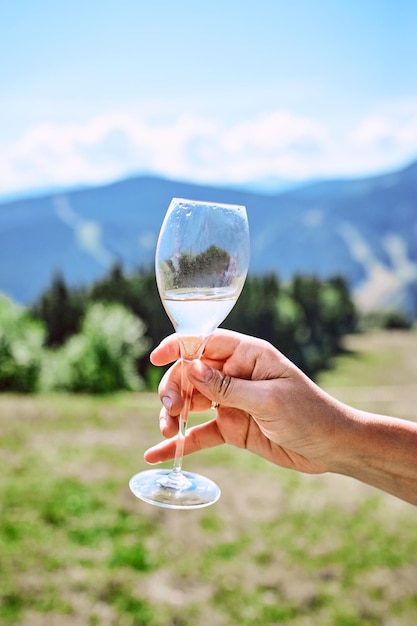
(305, 318)
(98, 339)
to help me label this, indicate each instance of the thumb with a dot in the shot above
(221, 388)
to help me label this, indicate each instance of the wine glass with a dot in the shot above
(202, 259)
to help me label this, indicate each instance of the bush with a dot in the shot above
(102, 357)
(21, 341)
(387, 319)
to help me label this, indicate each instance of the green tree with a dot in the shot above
(328, 314)
(61, 310)
(114, 287)
(255, 311)
(139, 294)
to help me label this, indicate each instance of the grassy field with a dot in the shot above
(76, 548)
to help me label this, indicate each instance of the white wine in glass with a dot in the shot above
(201, 262)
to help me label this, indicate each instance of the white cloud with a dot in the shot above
(278, 144)
(276, 131)
(387, 136)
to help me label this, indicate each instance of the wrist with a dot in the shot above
(379, 451)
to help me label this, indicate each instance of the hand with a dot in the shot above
(267, 405)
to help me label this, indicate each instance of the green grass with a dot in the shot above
(279, 548)
(379, 358)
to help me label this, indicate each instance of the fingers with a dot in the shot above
(168, 424)
(171, 397)
(220, 345)
(247, 395)
(233, 371)
(168, 351)
(170, 390)
(197, 438)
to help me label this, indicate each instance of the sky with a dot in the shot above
(221, 92)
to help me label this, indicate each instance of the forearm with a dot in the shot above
(382, 452)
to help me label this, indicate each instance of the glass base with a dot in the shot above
(172, 490)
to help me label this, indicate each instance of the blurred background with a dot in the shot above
(304, 112)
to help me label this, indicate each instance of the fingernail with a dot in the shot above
(167, 402)
(202, 371)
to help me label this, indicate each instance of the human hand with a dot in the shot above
(267, 405)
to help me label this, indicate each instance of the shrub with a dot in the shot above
(387, 319)
(102, 357)
(21, 341)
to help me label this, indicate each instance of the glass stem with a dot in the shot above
(191, 348)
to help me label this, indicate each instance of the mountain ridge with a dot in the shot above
(362, 228)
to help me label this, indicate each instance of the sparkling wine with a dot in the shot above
(198, 312)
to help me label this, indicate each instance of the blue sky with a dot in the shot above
(220, 92)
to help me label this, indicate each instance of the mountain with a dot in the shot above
(364, 229)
